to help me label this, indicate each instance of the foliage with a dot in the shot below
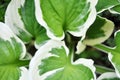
(56, 39)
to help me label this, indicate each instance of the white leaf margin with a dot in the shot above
(24, 73)
(12, 16)
(13, 19)
(82, 29)
(105, 9)
(91, 18)
(43, 52)
(110, 56)
(39, 17)
(6, 34)
(113, 11)
(80, 47)
(107, 75)
(88, 63)
(109, 8)
(109, 25)
(110, 59)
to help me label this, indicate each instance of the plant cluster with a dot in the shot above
(40, 39)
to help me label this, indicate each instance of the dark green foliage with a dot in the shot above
(3, 6)
(95, 31)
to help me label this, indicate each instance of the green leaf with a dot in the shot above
(57, 64)
(99, 31)
(12, 18)
(9, 73)
(103, 4)
(23, 35)
(117, 39)
(115, 9)
(12, 51)
(114, 53)
(27, 13)
(96, 29)
(30, 30)
(60, 60)
(69, 71)
(59, 17)
(108, 76)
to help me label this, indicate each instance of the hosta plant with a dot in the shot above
(12, 59)
(44, 40)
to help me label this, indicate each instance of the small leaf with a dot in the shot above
(29, 29)
(12, 51)
(59, 17)
(53, 62)
(108, 76)
(99, 31)
(103, 4)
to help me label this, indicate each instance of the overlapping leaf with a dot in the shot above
(100, 31)
(59, 17)
(53, 62)
(12, 52)
(20, 16)
(108, 76)
(114, 54)
(103, 4)
(115, 9)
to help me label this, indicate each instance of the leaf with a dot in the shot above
(12, 18)
(12, 51)
(53, 62)
(80, 47)
(108, 76)
(29, 29)
(115, 9)
(99, 31)
(114, 54)
(59, 17)
(103, 4)
(27, 13)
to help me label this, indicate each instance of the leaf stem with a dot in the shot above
(101, 69)
(103, 48)
(70, 43)
(106, 49)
